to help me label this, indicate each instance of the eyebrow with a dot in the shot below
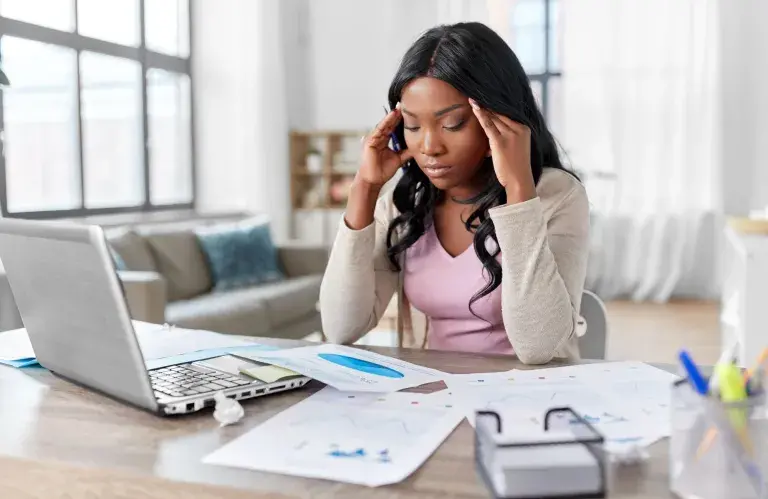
(438, 113)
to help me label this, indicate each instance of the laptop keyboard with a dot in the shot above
(189, 379)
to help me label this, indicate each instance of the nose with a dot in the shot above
(432, 144)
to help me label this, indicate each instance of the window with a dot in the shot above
(535, 29)
(98, 116)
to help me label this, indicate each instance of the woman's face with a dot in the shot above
(447, 141)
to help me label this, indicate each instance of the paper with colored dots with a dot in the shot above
(626, 401)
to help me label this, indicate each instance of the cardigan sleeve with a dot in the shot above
(359, 280)
(544, 260)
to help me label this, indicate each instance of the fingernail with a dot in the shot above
(473, 103)
(397, 106)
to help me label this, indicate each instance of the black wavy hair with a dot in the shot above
(477, 62)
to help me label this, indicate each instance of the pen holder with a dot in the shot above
(717, 450)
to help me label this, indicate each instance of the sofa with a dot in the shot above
(166, 279)
(169, 280)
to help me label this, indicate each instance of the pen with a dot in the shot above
(732, 390)
(695, 378)
(760, 361)
(395, 142)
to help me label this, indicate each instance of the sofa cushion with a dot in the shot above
(132, 248)
(180, 260)
(252, 311)
(240, 255)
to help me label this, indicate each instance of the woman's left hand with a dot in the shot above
(511, 152)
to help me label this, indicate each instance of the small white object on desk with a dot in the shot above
(228, 411)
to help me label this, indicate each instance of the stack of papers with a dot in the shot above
(160, 345)
(361, 430)
(15, 349)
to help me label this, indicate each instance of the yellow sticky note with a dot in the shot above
(268, 374)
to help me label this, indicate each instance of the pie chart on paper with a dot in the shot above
(361, 365)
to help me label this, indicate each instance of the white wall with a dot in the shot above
(744, 43)
(759, 60)
(352, 66)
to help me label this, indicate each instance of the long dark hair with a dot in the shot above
(477, 62)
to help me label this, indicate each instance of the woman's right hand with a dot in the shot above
(378, 162)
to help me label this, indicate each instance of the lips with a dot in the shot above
(436, 170)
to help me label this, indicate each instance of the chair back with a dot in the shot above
(592, 344)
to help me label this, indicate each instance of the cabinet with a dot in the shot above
(744, 315)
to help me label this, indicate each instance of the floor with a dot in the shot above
(644, 331)
(656, 332)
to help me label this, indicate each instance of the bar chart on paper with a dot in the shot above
(364, 438)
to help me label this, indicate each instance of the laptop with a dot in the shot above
(73, 306)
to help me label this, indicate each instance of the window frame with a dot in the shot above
(548, 74)
(147, 59)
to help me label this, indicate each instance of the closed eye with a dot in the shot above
(410, 128)
(456, 126)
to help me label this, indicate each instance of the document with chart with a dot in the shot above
(351, 369)
(362, 438)
(628, 402)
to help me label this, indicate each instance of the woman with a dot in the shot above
(485, 232)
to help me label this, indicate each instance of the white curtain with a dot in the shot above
(639, 118)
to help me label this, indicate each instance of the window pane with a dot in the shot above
(170, 146)
(167, 26)
(529, 13)
(111, 20)
(56, 14)
(529, 47)
(554, 36)
(40, 111)
(112, 131)
(528, 34)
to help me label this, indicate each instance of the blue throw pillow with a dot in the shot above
(240, 255)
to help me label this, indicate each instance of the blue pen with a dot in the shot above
(698, 381)
(395, 142)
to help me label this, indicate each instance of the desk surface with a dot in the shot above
(60, 440)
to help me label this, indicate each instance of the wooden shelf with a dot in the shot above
(324, 189)
(307, 173)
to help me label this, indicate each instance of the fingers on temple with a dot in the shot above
(486, 120)
(514, 126)
(386, 126)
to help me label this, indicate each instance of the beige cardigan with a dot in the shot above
(544, 248)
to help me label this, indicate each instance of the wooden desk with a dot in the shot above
(59, 440)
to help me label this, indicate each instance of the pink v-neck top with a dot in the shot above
(544, 250)
(441, 287)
